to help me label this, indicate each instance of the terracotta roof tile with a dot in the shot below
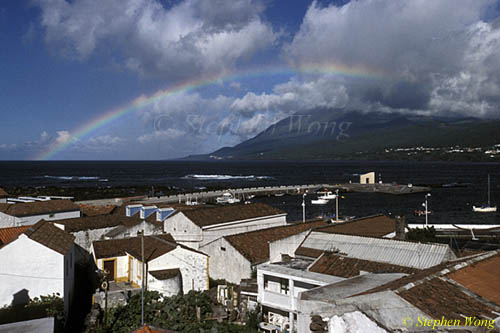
(215, 215)
(9, 234)
(154, 246)
(50, 236)
(308, 252)
(337, 265)
(440, 298)
(3, 194)
(40, 207)
(165, 274)
(482, 278)
(89, 210)
(254, 245)
(374, 226)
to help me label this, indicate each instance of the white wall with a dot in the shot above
(12, 221)
(193, 266)
(182, 229)
(86, 237)
(285, 246)
(227, 264)
(170, 287)
(213, 232)
(149, 229)
(26, 264)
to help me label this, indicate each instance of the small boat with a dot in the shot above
(328, 196)
(227, 198)
(485, 208)
(319, 201)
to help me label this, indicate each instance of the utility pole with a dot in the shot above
(143, 277)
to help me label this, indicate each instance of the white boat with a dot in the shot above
(227, 198)
(328, 196)
(319, 201)
(485, 208)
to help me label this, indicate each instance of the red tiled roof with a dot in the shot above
(308, 252)
(374, 226)
(440, 298)
(39, 207)
(9, 234)
(50, 236)
(214, 215)
(337, 265)
(154, 247)
(254, 245)
(482, 278)
(89, 210)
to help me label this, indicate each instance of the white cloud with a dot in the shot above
(62, 137)
(430, 55)
(168, 134)
(190, 38)
(105, 140)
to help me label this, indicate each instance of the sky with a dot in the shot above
(162, 79)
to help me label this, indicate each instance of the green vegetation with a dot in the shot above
(179, 313)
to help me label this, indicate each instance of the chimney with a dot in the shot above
(400, 227)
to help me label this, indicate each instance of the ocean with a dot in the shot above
(448, 204)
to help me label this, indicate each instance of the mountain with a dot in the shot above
(337, 134)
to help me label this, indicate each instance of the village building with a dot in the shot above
(11, 233)
(29, 213)
(460, 295)
(170, 268)
(39, 262)
(197, 227)
(91, 228)
(235, 257)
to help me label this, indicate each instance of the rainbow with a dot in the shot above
(140, 102)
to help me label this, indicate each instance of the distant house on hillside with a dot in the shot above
(200, 226)
(234, 257)
(171, 268)
(39, 262)
(12, 215)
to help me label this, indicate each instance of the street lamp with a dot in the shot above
(304, 207)
(426, 210)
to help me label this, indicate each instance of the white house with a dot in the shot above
(91, 228)
(234, 257)
(12, 215)
(367, 178)
(39, 262)
(200, 226)
(171, 268)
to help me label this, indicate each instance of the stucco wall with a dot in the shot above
(285, 246)
(193, 267)
(226, 262)
(26, 264)
(169, 287)
(7, 220)
(86, 237)
(182, 229)
(149, 229)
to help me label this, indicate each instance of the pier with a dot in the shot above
(243, 193)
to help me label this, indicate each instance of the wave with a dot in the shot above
(75, 178)
(224, 177)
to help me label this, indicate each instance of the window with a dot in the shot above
(52, 215)
(223, 248)
(266, 282)
(284, 286)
